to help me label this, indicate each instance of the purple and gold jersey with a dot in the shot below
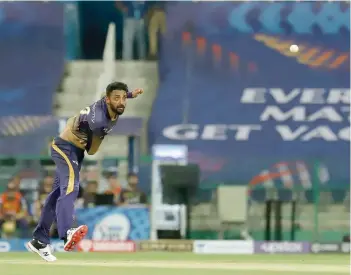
(92, 120)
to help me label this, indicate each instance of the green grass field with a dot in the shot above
(157, 263)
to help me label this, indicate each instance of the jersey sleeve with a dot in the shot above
(94, 128)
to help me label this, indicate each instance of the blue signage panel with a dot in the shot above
(244, 103)
(32, 56)
(115, 224)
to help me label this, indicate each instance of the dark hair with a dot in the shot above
(132, 174)
(116, 86)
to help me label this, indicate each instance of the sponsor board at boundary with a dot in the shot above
(20, 245)
(198, 246)
(330, 248)
(166, 245)
(5, 246)
(281, 247)
(84, 246)
(223, 247)
(106, 246)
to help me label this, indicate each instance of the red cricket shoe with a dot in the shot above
(74, 236)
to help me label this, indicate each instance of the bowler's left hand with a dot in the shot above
(137, 92)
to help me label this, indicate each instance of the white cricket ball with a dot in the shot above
(294, 48)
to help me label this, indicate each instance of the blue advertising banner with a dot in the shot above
(115, 224)
(260, 17)
(32, 56)
(244, 103)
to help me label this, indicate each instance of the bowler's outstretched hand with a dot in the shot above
(137, 92)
